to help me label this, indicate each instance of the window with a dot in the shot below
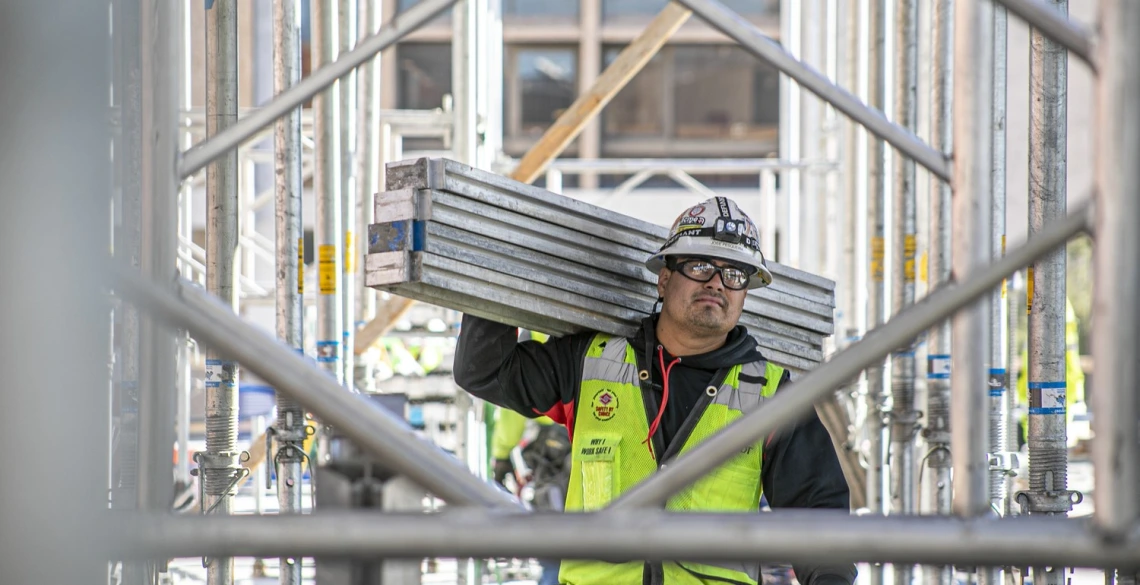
(403, 5)
(525, 8)
(639, 109)
(623, 9)
(521, 7)
(698, 97)
(723, 92)
(541, 84)
(424, 74)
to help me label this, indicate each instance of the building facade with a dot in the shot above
(702, 96)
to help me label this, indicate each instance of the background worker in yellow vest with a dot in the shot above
(1074, 375)
(633, 404)
(544, 456)
(510, 427)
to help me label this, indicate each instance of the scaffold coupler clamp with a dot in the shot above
(223, 462)
(1049, 502)
(906, 423)
(1007, 462)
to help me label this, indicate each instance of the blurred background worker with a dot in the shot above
(536, 455)
(1074, 380)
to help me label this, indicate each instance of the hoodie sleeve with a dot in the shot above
(532, 378)
(800, 470)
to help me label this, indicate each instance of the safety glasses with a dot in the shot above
(702, 270)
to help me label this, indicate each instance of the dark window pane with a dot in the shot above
(639, 108)
(540, 8)
(624, 8)
(612, 8)
(723, 92)
(403, 5)
(424, 74)
(753, 7)
(547, 81)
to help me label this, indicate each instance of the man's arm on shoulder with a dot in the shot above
(801, 470)
(531, 378)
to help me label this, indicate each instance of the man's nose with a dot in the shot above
(715, 283)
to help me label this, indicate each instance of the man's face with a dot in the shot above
(705, 308)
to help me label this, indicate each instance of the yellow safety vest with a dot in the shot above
(610, 456)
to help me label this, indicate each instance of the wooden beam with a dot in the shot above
(631, 60)
(834, 418)
(560, 134)
(386, 316)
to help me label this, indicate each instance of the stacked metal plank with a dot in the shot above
(484, 244)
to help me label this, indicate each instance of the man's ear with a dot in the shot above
(663, 276)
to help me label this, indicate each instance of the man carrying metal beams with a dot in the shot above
(634, 404)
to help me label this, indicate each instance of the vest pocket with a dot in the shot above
(597, 457)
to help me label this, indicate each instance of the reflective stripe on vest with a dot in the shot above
(609, 455)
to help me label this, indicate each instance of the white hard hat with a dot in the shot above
(718, 229)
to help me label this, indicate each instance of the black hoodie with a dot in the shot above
(800, 469)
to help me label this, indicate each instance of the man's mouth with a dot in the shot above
(711, 300)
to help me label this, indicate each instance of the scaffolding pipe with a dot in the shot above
(367, 151)
(819, 383)
(372, 428)
(807, 249)
(184, 139)
(54, 226)
(903, 416)
(347, 130)
(999, 379)
(290, 428)
(939, 356)
(464, 81)
(159, 235)
(1000, 462)
(1048, 449)
(1043, 16)
(128, 248)
(1116, 455)
(652, 535)
(219, 464)
(754, 41)
(327, 186)
(877, 301)
(316, 82)
(769, 196)
(973, 103)
(851, 177)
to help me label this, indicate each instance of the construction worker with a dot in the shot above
(1074, 375)
(633, 404)
(510, 426)
(544, 456)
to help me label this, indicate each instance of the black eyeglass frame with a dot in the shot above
(677, 266)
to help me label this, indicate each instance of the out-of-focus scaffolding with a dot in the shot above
(170, 303)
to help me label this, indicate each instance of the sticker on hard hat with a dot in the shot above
(690, 220)
(694, 212)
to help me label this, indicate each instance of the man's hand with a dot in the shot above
(503, 468)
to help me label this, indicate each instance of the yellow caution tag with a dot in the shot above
(349, 253)
(878, 246)
(923, 272)
(910, 246)
(1004, 281)
(1029, 292)
(326, 268)
(301, 265)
